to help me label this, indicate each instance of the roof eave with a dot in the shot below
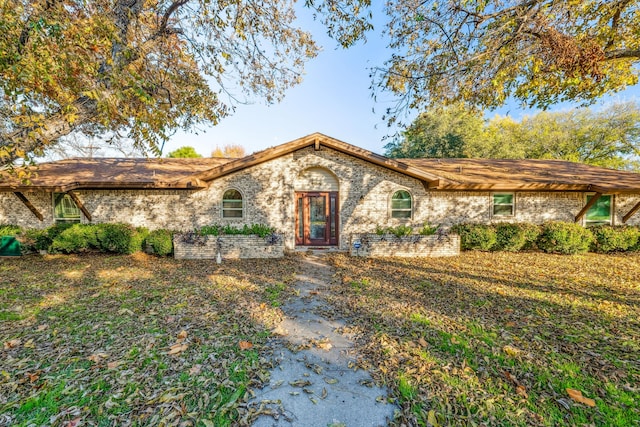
(317, 141)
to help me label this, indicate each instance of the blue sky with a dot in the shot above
(334, 98)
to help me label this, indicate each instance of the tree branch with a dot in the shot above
(622, 53)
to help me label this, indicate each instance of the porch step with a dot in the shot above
(319, 250)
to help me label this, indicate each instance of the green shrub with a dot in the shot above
(9, 230)
(261, 230)
(138, 239)
(118, 238)
(636, 246)
(36, 239)
(210, 230)
(160, 242)
(399, 231)
(531, 234)
(428, 229)
(55, 230)
(564, 238)
(509, 237)
(475, 236)
(74, 239)
(614, 239)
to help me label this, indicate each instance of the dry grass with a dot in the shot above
(133, 340)
(497, 338)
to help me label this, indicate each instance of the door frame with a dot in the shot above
(305, 239)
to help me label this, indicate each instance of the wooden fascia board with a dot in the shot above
(516, 187)
(246, 162)
(29, 205)
(191, 184)
(382, 161)
(588, 206)
(80, 205)
(632, 212)
(316, 142)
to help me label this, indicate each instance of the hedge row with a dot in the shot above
(552, 237)
(76, 238)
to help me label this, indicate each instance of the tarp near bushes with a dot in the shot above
(9, 246)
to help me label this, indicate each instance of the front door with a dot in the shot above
(317, 218)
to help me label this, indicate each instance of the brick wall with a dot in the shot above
(231, 247)
(413, 246)
(269, 189)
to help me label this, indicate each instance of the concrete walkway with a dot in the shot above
(317, 383)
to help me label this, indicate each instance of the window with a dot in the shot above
(503, 204)
(600, 213)
(65, 209)
(401, 204)
(232, 204)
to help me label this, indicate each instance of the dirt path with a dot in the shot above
(317, 385)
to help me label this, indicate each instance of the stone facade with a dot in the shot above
(268, 191)
(413, 246)
(230, 247)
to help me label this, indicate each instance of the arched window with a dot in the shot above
(65, 209)
(232, 204)
(401, 204)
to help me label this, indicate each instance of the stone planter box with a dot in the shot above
(231, 247)
(389, 245)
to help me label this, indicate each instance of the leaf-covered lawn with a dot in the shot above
(133, 340)
(498, 338)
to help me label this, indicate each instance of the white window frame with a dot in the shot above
(612, 199)
(512, 204)
(61, 220)
(410, 210)
(223, 209)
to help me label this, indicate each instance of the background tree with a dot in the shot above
(141, 69)
(608, 137)
(185, 152)
(232, 151)
(441, 132)
(483, 52)
(78, 145)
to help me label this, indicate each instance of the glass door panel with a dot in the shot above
(317, 217)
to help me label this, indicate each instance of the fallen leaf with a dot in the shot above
(299, 383)
(432, 419)
(33, 377)
(577, 396)
(245, 345)
(177, 348)
(330, 380)
(42, 327)
(114, 364)
(422, 342)
(195, 369)
(182, 335)
(522, 391)
(97, 357)
(511, 350)
(324, 345)
(72, 423)
(12, 343)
